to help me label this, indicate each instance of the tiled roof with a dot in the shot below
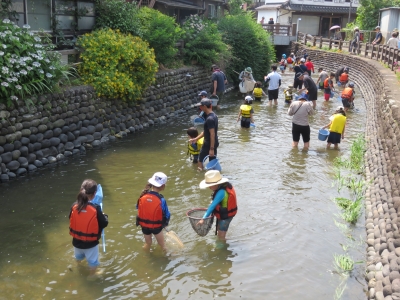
(318, 8)
(179, 4)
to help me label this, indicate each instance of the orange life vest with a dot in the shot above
(84, 225)
(344, 77)
(326, 83)
(223, 212)
(347, 93)
(290, 60)
(150, 214)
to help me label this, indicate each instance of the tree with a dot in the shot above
(368, 12)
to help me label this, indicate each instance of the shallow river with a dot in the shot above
(280, 245)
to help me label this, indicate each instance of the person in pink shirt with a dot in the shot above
(309, 65)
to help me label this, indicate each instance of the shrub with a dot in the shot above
(117, 65)
(161, 32)
(203, 42)
(251, 45)
(26, 66)
(118, 14)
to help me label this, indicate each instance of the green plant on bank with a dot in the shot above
(118, 14)
(343, 203)
(368, 12)
(203, 42)
(343, 263)
(161, 32)
(352, 212)
(27, 66)
(251, 46)
(117, 65)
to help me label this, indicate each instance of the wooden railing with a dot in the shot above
(383, 53)
(278, 29)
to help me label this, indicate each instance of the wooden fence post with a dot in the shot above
(320, 42)
(366, 50)
(340, 44)
(305, 39)
(314, 41)
(330, 43)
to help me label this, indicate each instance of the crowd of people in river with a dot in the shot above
(87, 220)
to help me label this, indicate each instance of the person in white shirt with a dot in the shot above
(393, 41)
(274, 80)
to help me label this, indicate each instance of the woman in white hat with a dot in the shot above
(224, 205)
(153, 214)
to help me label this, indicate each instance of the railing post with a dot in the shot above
(358, 48)
(305, 39)
(314, 41)
(340, 44)
(320, 42)
(366, 49)
(330, 43)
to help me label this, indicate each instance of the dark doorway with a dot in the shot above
(326, 23)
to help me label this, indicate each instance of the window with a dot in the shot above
(212, 12)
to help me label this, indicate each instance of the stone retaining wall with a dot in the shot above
(59, 125)
(379, 88)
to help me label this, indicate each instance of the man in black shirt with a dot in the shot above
(310, 86)
(210, 135)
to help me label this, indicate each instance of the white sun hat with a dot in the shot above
(158, 179)
(212, 177)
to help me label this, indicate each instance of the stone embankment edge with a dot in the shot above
(59, 125)
(380, 89)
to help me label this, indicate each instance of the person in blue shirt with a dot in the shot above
(224, 204)
(378, 37)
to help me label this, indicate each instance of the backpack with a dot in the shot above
(290, 60)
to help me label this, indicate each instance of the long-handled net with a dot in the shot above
(172, 240)
(195, 215)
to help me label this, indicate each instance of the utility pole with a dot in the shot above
(351, 2)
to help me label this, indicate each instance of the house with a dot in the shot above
(317, 16)
(389, 20)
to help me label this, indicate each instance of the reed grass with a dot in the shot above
(343, 263)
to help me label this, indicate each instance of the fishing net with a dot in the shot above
(195, 215)
(172, 240)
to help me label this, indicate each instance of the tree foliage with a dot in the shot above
(251, 45)
(368, 12)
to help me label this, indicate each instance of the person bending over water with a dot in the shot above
(224, 202)
(336, 127)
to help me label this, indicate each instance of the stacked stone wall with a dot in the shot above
(59, 125)
(380, 89)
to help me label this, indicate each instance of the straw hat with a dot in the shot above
(212, 177)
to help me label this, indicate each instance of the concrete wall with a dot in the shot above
(64, 124)
(379, 87)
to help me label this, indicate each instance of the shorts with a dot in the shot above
(205, 151)
(346, 102)
(327, 96)
(273, 94)
(195, 158)
(148, 231)
(298, 84)
(334, 138)
(257, 98)
(321, 85)
(245, 122)
(223, 225)
(298, 130)
(312, 95)
(282, 68)
(91, 254)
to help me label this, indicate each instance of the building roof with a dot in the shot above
(269, 7)
(388, 8)
(318, 8)
(179, 4)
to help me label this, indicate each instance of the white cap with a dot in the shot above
(248, 98)
(158, 179)
(303, 60)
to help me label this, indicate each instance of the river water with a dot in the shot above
(280, 245)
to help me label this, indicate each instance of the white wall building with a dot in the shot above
(317, 16)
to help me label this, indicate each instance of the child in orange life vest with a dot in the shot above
(153, 214)
(288, 94)
(224, 202)
(336, 127)
(348, 96)
(86, 221)
(328, 86)
(290, 61)
(258, 92)
(246, 111)
(344, 77)
(194, 148)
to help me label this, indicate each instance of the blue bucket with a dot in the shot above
(323, 134)
(212, 164)
(198, 121)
